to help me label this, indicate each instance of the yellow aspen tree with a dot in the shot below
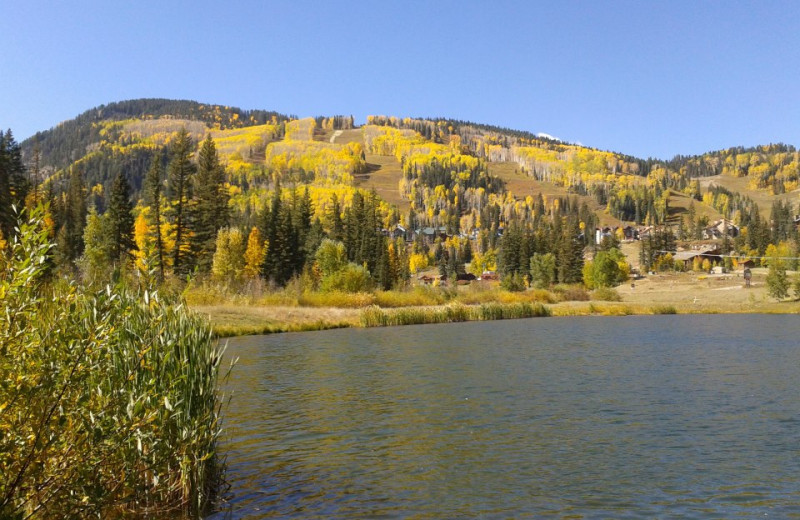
(254, 255)
(143, 243)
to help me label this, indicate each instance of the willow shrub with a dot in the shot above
(108, 401)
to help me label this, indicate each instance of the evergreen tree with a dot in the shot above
(73, 218)
(7, 216)
(314, 238)
(302, 211)
(384, 271)
(335, 219)
(777, 281)
(510, 259)
(120, 218)
(570, 254)
(280, 260)
(153, 185)
(181, 172)
(211, 204)
(13, 184)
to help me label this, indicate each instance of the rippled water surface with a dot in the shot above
(630, 417)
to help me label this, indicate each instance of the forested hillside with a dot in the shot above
(233, 195)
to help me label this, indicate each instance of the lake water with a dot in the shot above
(628, 417)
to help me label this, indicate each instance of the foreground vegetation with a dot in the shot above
(108, 399)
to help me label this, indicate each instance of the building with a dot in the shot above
(711, 253)
(719, 229)
(430, 234)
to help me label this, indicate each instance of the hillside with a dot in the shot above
(436, 172)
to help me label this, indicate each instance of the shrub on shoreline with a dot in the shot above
(108, 400)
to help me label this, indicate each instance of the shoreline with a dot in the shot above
(242, 320)
(662, 293)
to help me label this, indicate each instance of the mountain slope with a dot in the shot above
(125, 137)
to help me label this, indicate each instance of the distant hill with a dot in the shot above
(80, 139)
(773, 167)
(125, 137)
(68, 141)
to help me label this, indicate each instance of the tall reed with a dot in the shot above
(376, 317)
(108, 401)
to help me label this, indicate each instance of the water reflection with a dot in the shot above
(632, 417)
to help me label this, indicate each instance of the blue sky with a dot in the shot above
(642, 78)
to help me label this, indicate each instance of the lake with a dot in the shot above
(590, 417)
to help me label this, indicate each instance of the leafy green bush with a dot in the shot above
(606, 294)
(350, 278)
(513, 282)
(570, 293)
(108, 401)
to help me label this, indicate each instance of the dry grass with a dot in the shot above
(237, 320)
(679, 205)
(354, 135)
(383, 175)
(763, 198)
(521, 186)
(701, 293)
(670, 293)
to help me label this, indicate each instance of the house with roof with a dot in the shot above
(711, 253)
(720, 229)
(430, 234)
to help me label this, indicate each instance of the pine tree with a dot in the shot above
(301, 223)
(280, 260)
(7, 217)
(777, 280)
(153, 185)
(570, 254)
(13, 184)
(211, 203)
(73, 219)
(335, 219)
(120, 218)
(181, 171)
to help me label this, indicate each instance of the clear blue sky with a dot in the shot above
(643, 78)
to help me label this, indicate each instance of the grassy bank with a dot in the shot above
(673, 293)
(377, 317)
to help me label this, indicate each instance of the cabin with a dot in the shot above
(489, 276)
(720, 229)
(430, 234)
(399, 231)
(712, 253)
(466, 277)
(630, 233)
(687, 257)
(645, 232)
(602, 233)
(427, 279)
